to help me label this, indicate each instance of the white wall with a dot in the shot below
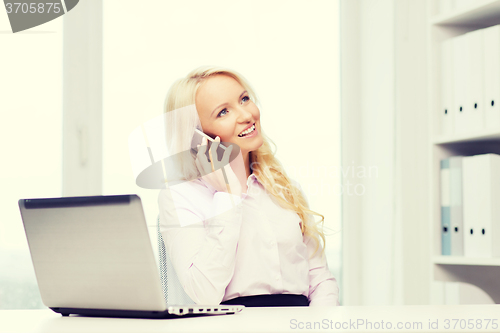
(412, 154)
(384, 122)
(377, 140)
(383, 115)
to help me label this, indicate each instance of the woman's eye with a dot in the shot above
(223, 110)
(245, 99)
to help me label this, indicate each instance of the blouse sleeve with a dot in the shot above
(202, 252)
(323, 287)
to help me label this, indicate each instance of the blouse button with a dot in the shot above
(277, 277)
(272, 243)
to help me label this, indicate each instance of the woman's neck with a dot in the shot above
(246, 160)
(240, 163)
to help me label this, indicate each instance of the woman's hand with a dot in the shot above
(216, 178)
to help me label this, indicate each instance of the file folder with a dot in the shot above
(492, 77)
(460, 76)
(481, 197)
(445, 208)
(474, 82)
(446, 111)
(456, 208)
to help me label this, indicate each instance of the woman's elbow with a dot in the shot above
(203, 291)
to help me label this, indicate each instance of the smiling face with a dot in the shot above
(225, 110)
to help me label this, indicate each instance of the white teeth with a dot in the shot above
(251, 129)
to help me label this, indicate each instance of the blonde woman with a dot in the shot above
(245, 235)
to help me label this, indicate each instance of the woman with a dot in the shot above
(253, 242)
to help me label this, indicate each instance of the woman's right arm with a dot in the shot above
(202, 253)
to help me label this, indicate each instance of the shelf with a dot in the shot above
(483, 135)
(481, 272)
(487, 13)
(465, 261)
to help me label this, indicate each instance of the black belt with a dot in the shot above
(269, 300)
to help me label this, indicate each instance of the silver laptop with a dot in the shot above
(93, 256)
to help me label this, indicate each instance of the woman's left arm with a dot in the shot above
(323, 287)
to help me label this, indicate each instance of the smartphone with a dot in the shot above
(198, 139)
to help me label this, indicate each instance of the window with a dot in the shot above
(31, 145)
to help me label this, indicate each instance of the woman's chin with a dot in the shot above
(254, 147)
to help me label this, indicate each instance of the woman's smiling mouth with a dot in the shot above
(248, 132)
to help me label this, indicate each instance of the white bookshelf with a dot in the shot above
(465, 261)
(473, 15)
(485, 135)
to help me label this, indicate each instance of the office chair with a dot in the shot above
(173, 292)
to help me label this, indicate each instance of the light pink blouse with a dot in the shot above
(222, 248)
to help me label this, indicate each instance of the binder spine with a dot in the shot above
(445, 208)
(447, 108)
(456, 207)
(492, 77)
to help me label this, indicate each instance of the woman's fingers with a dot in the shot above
(200, 167)
(218, 178)
(227, 155)
(202, 149)
(201, 160)
(203, 146)
(213, 150)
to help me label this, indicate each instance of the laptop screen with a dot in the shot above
(92, 252)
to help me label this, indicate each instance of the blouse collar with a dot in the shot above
(252, 178)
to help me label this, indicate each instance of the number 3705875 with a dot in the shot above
(471, 323)
(32, 8)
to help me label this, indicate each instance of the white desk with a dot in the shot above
(264, 320)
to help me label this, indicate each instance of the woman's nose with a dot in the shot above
(244, 115)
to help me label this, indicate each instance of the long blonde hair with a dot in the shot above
(262, 161)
